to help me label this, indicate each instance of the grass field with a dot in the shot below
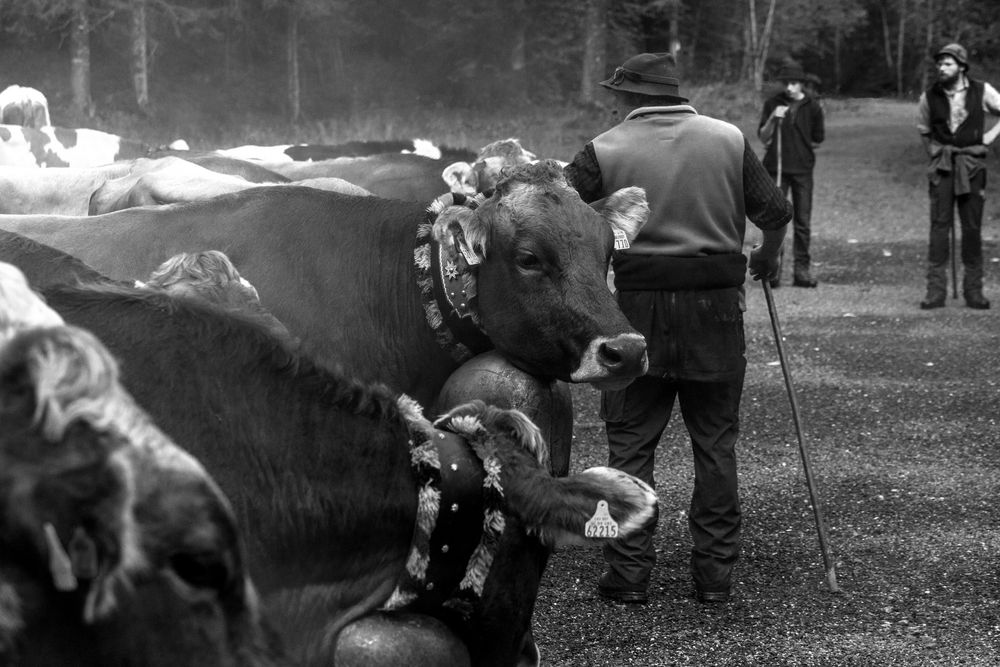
(900, 409)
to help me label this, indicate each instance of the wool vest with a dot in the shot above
(691, 167)
(970, 132)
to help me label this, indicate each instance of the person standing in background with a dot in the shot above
(951, 119)
(799, 117)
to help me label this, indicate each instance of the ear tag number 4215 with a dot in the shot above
(601, 525)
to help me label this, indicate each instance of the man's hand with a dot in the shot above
(779, 111)
(763, 265)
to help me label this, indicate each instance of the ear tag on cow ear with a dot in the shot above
(621, 240)
(601, 525)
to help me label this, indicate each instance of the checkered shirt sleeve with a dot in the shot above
(765, 205)
(584, 174)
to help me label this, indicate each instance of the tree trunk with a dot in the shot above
(79, 46)
(750, 40)
(140, 53)
(838, 38)
(691, 52)
(760, 45)
(675, 37)
(899, 48)
(928, 45)
(594, 44)
(886, 42)
(294, 108)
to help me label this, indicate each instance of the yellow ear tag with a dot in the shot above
(621, 240)
(601, 525)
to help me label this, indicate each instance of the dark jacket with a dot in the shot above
(801, 129)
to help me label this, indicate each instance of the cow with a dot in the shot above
(368, 282)
(390, 175)
(359, 512)
(64, 191)
(313, 152)
(116, 547)
(43, 265)
(68, 190)
(481, 174)
(62, 147)
(211, 275)
(25, 106)
(170, 180)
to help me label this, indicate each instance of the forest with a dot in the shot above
(302, 60)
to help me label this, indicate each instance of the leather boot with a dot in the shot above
(937, 287)
(802, 278)
(975, 299)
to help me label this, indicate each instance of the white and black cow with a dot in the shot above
(63, 147)
(25, 106)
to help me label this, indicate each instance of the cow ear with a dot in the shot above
(626, 210)
(617, 504)
(460, 228)
(456, 175)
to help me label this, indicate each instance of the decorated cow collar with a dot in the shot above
(446, 274)
(459, 516)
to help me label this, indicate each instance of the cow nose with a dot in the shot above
(624, 355)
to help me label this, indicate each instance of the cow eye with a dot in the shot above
(203, 570)
(528, 261)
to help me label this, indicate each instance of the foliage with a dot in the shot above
(358, 58)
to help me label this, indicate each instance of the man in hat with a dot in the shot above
(681, 286)
(952, 125)
(798, 119)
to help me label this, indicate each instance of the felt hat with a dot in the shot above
(956, 51)
(647, 74)
(791, 72)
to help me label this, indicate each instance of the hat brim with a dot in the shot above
(642, 88)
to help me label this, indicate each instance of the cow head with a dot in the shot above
(483, 174)
(541, 258)
(541, 511)
(117, 548)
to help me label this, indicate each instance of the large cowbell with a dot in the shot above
(492, 379)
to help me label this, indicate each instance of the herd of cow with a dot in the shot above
(211, 471)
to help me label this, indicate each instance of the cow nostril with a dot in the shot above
(623, 354)
(611, 355)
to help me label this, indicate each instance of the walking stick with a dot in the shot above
(954, 271)
(778, 130)
(828, 562)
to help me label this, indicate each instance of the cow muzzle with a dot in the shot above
(613, 362)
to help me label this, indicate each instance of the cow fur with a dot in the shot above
(317, 466)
